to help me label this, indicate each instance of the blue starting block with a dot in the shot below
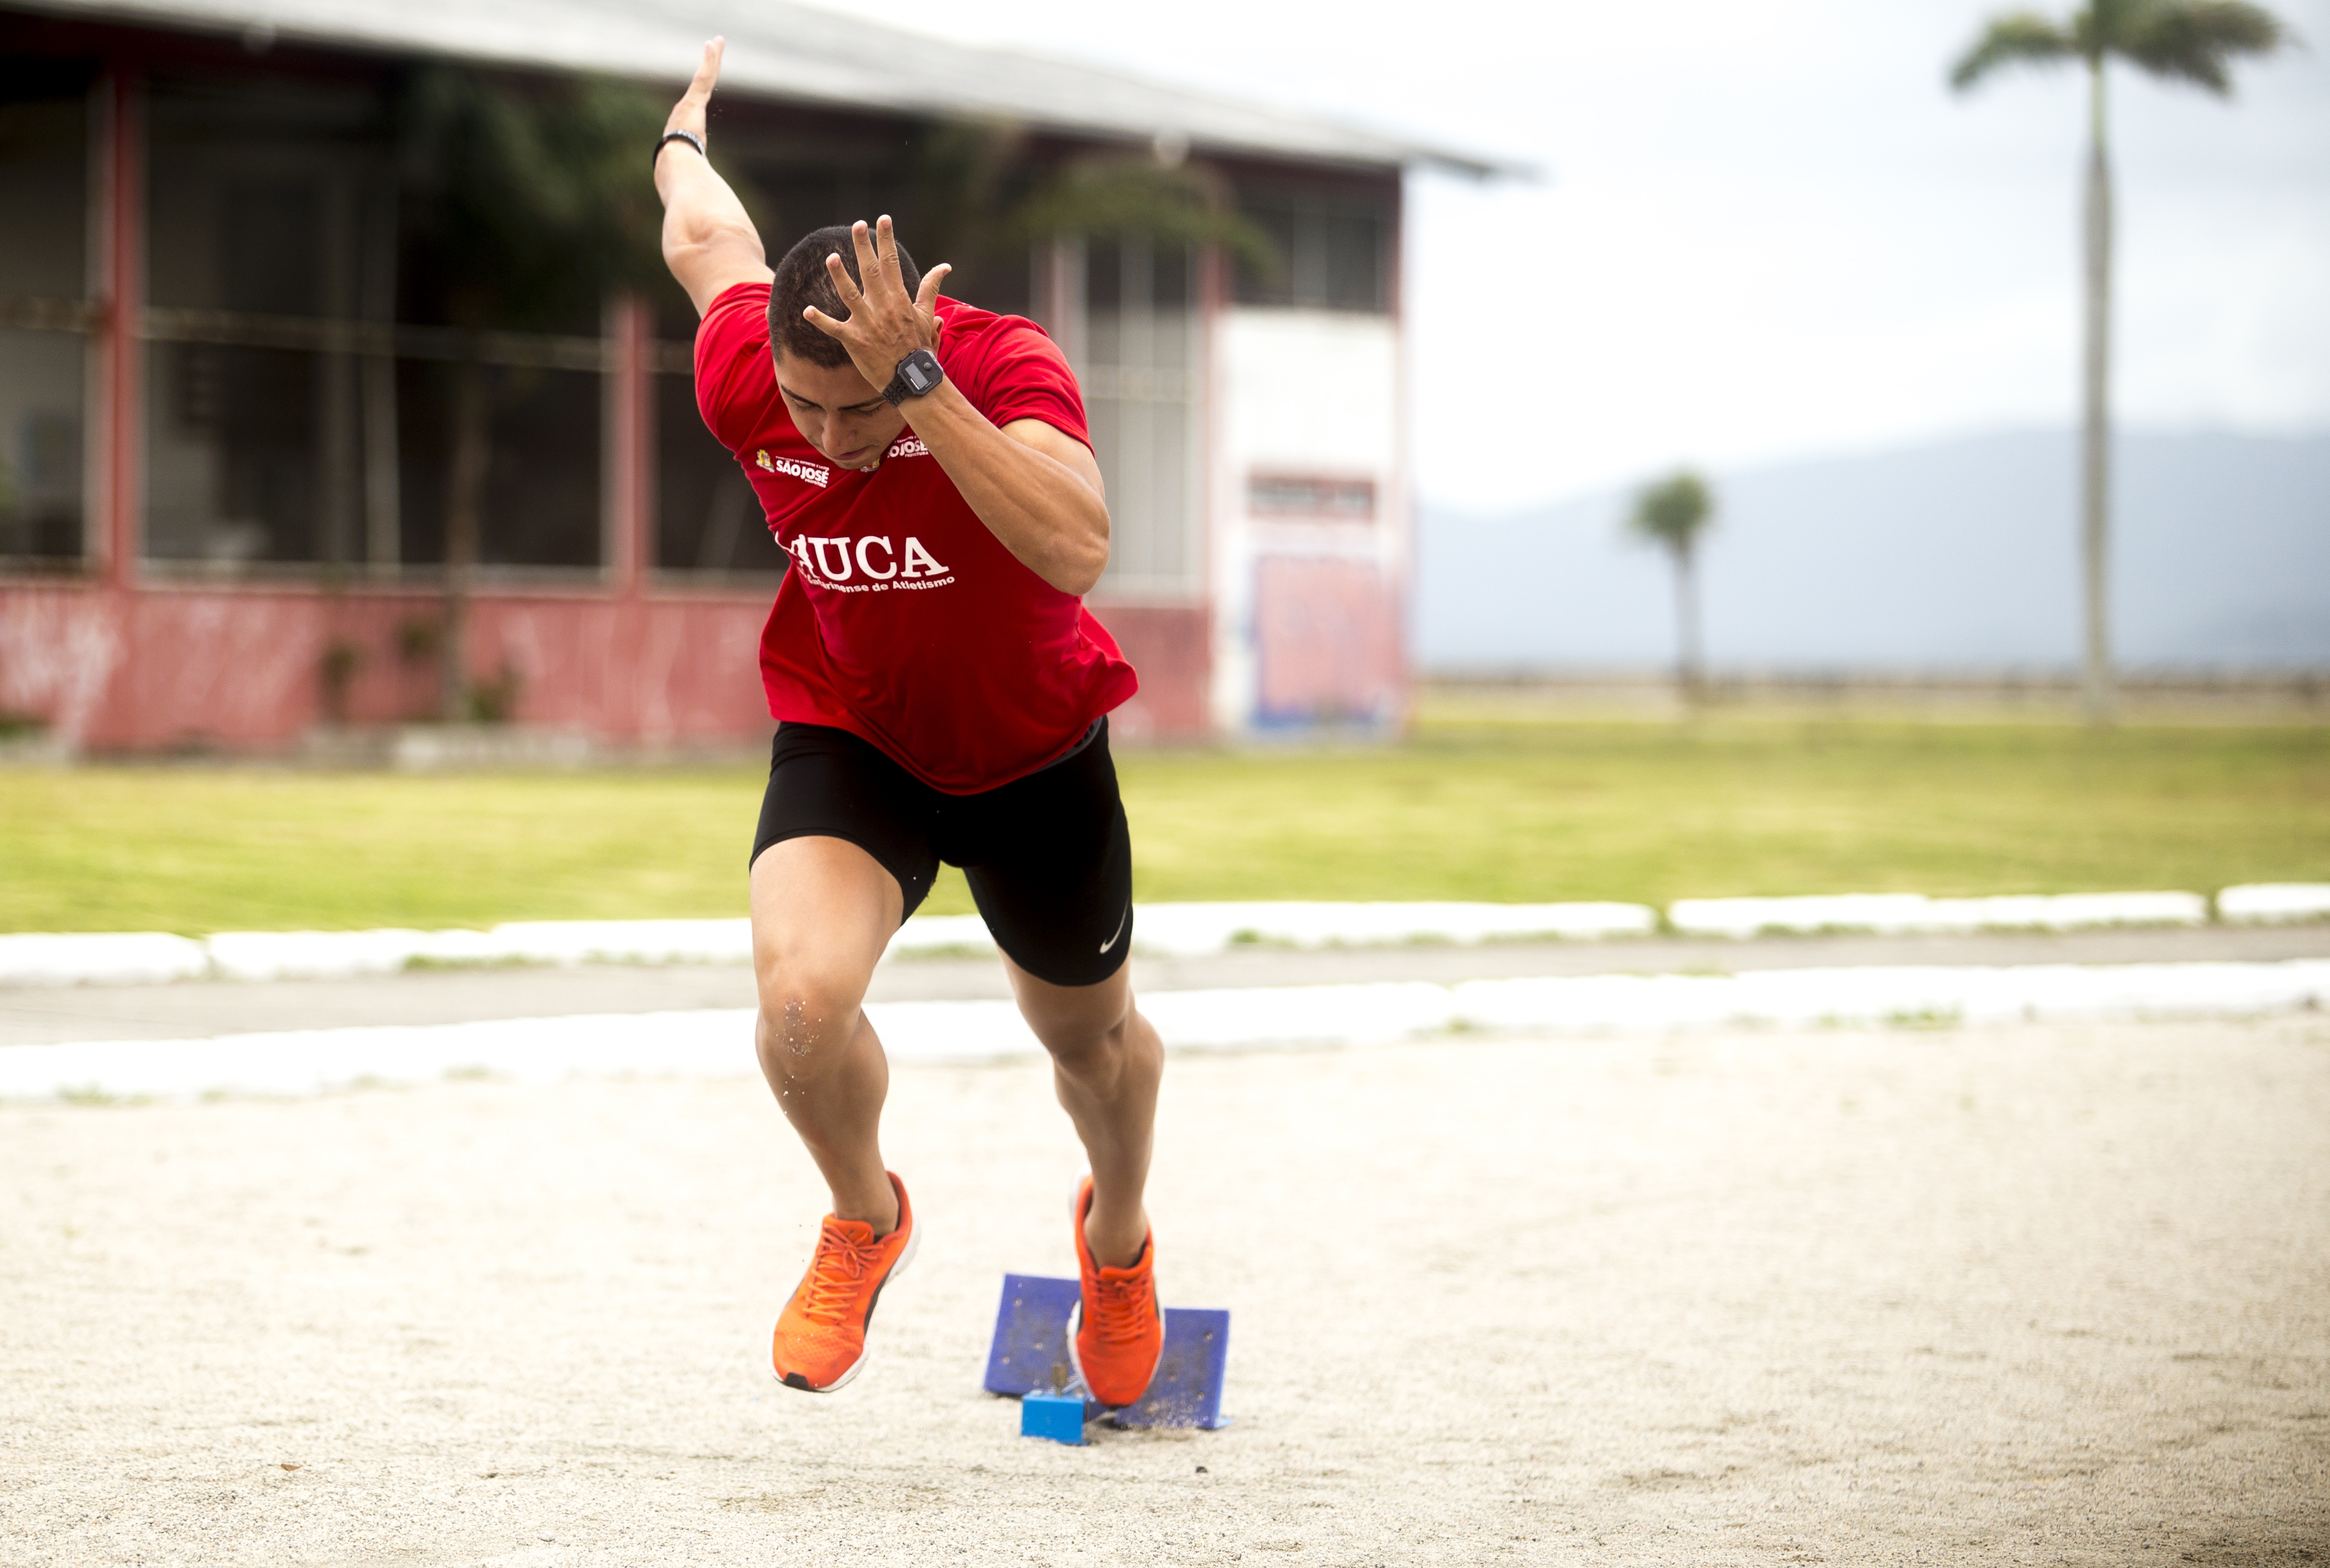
(1029, 1361)
(1058, 1416)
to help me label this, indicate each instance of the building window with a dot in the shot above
(708, 521)
(540, 504)
(1310, 497)
(270, 248)
(44, 116)
(1127, 319)
(1333, 250)
(303, 407)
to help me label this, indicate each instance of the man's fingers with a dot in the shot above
(707, 75)
(885, 246)
(870, 264)
(926, 297)
(688, 113)
(843, 284)
(821, 321)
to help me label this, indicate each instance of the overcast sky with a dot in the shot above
(1768, 230)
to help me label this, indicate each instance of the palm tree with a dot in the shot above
(1673, 513)
(2188, 40)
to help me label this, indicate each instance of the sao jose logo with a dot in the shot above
(810, 472)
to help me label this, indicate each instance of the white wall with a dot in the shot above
(1297, 393)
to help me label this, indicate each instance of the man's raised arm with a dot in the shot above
(708, 242)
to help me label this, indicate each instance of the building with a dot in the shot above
(232, 376)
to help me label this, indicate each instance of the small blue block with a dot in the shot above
(1058, 1416)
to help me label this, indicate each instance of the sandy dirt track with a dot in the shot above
(2033, 1295)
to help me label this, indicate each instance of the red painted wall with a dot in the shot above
(1171, 646)
(241, 667)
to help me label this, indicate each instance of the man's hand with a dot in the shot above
(1037, 489)
(708, 242)
(688, 113)
(884, 327)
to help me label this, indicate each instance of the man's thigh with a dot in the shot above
(1065, 1015)
(827, 783)
(823, 911)
(840, 856)
(1050, 862)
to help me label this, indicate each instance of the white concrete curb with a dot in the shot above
(1167, 930)
(1905, 914)
(719, 1043)
(1159, 930)
(334, 954)
(2273, 902)
(100, 957)
(1895, 995)
(1193, 929)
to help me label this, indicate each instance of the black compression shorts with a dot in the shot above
(1048, 856)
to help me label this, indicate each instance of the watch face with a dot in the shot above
(921, 371)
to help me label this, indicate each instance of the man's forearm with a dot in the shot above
(1036, 488)
(700, 212)
(1048, 514)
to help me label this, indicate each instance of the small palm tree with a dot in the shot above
(1673, 513)
(2188, 40)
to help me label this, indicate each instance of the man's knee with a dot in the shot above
(1073, 1043)
(1085, 1041)
(808, 1015)
(1092, 1032)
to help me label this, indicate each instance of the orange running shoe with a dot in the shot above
(1116, 1334)
(819, 1341)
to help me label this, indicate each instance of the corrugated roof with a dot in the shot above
(791, 52)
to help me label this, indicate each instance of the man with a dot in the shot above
(941, 694)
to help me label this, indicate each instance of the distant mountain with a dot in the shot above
(1956, 556)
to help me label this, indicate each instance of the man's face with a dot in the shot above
(839, 414)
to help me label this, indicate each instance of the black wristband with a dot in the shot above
(670, 136)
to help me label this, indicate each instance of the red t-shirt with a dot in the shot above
(905, 620)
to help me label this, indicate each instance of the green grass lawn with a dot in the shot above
(1470, 808)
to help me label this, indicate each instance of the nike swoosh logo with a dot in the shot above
(1119, 929)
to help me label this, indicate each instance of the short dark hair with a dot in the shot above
(802, 281)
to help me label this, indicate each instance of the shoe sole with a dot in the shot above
(913, 1240)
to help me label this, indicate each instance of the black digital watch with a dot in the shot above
(918, 375)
